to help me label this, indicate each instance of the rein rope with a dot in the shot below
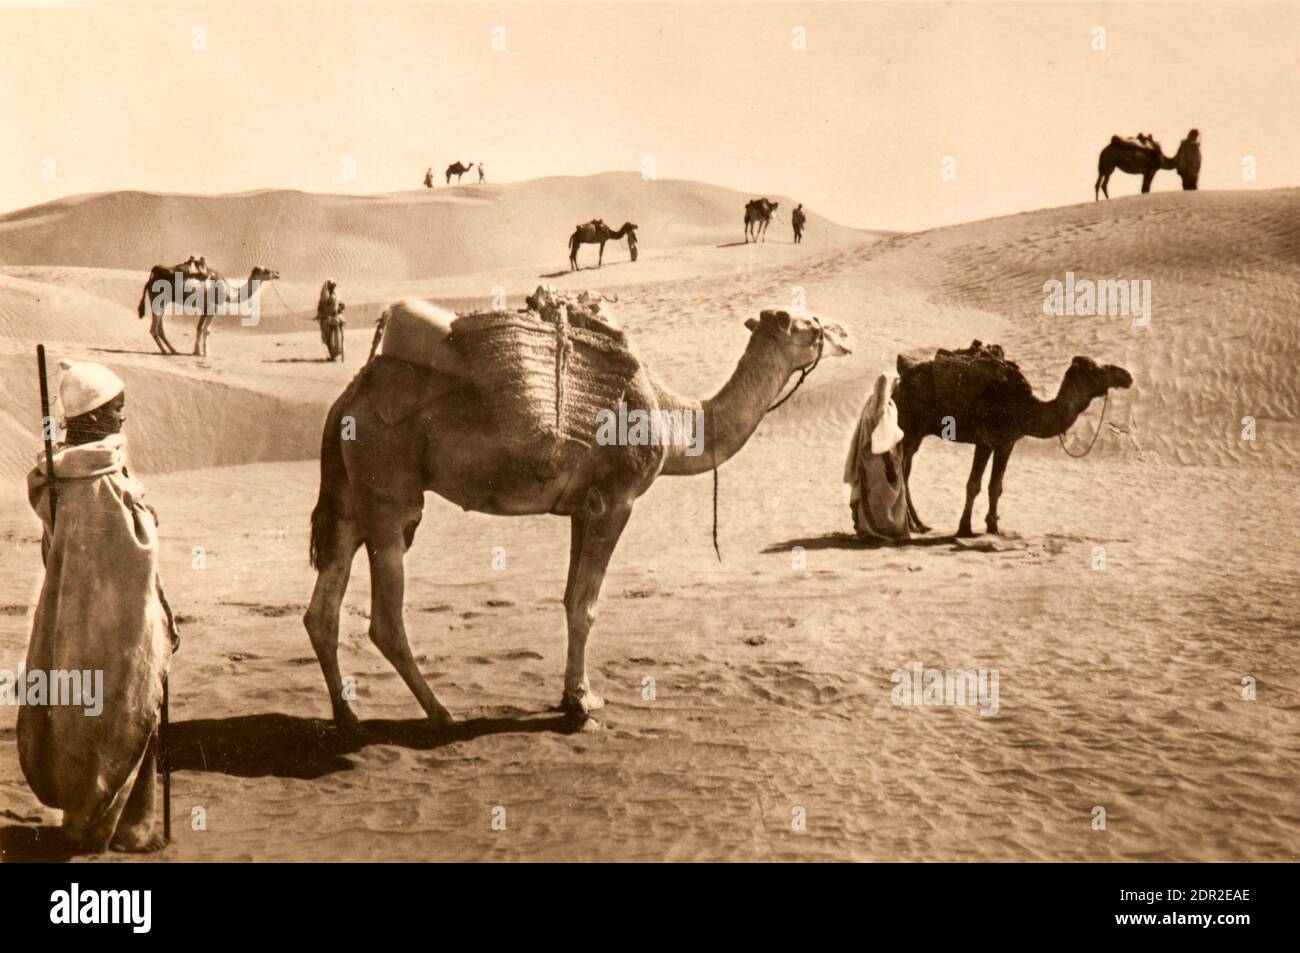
(1095, 434)
(803, 376)
(283, 303)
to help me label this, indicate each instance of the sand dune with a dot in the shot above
(395, 237)
(1119, 687)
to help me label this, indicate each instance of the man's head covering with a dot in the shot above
(85, 387)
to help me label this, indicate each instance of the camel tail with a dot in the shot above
(333, 481)
(144, 297)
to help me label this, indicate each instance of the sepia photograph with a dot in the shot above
(640, 432)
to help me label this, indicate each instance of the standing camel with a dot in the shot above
(992, 416)
(758, 214)
(167, 287)
(458, 169)
(221, 292)
(416, 429)
(596, 232)
(1142, 156)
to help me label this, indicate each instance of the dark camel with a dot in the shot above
(1142, 156)
(993, 418)
(758, 215)
(597, 232)
(418, 430)
(457, 169)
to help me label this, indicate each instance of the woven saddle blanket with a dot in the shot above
(546, 372)
(973, 370)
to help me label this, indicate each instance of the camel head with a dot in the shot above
(802, 340)
(263, 274)
(1095, 379)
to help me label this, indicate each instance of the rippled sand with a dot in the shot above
(1119, 688)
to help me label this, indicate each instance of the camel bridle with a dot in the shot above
(1095, 434)
(805, 371)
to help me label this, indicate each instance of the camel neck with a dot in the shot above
(731, 416)
(1056, 416)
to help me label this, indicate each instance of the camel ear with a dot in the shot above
(780, 320)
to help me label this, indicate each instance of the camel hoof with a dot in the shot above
(441, 718)
(964, 531)
(992, 527)
(346, 722)
(582, 702)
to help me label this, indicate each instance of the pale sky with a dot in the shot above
(856, 125)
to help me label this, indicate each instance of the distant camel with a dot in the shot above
(1142, 156)
(1187, 160)
(164, 285)
(993, 415)
(596, 232)
(758, 214)
(448, 442)
(457, 169)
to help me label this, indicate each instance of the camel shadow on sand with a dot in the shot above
(850, 541)
(29, 843)
(288, 746)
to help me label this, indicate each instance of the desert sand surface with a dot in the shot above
(1119, 687)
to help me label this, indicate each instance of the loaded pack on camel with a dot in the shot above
(544, 372)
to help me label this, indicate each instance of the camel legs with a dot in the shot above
(159, 334)
(600, 259)
(322, 617)
(1146, 181)
(387, 591)
(592, 541)
(1102, 184)
(201, 331)
(1000, 457)
(910, 446)
(982, 454)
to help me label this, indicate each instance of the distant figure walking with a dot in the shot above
(329, 314)
(758, 215)
(1187, 160)
(428, 178)
(458, 169)
(481, 177)
(798, 220)
(1142, 156)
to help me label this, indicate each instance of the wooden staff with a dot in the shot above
(47, 433)
(164, 763)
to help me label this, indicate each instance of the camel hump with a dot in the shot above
(419, 332)
(971, 372)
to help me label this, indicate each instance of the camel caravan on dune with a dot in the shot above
(1143, 156)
